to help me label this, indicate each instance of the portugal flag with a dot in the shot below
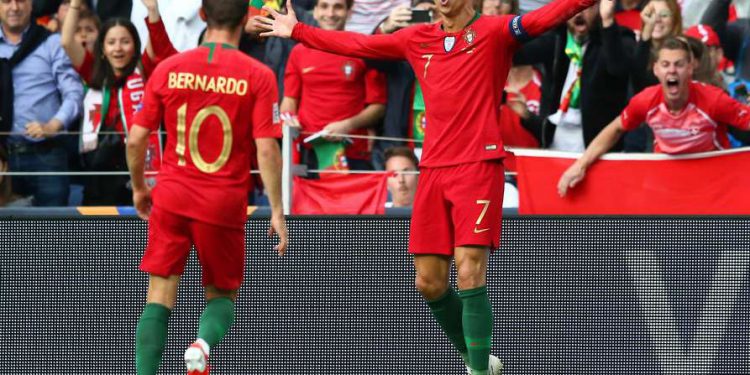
(711, 183)
(331, 156)
(255, 7)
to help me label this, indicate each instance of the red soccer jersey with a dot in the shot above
(214, 101)
(700, 127)
(331, 88)
(462, 74)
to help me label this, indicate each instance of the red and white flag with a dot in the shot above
(711, 183)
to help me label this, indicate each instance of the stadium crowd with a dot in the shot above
(73, 74)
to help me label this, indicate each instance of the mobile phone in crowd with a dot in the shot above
(741, 94)
(421, 16)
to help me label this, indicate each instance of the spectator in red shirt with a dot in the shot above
(333, 93)
(686, 116)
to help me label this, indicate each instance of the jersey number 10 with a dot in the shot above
(195, 127)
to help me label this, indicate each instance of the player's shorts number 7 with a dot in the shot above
(195, 127)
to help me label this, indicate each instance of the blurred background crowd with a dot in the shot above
(73, 74)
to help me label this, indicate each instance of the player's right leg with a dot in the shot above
(431, 242)
(216, 319)
(164, 260)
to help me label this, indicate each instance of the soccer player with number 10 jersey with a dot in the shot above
(220, 110)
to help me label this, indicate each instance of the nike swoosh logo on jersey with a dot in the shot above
(308, 69)
(477, 231)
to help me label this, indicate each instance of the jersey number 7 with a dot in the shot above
(195, 127)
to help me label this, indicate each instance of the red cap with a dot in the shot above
(705, 34)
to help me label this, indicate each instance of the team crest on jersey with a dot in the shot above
(348, 70)
(470, 36)
(448, 43)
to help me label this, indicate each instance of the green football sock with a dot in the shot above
(447, 311)
(216, 319)
(150, 337)
(477, 321)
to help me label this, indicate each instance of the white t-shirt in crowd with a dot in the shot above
(529, 5)
(180, 18)
(367, 14)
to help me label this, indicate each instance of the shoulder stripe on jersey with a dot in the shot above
(516, 29)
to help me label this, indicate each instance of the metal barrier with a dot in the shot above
(608, 295)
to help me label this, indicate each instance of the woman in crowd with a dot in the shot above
(661, 19)
(115, 72)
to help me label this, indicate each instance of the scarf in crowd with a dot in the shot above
(574, 51)
(129, 98)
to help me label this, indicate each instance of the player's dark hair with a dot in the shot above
(402, 151)
(103, 73)
(349, 4)
(224, 14)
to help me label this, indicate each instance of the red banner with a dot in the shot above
(712, 183)
(340, 194)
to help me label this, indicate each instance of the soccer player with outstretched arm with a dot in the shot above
(461, 63)
(220, 110)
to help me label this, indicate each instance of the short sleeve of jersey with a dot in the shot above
(375, 91)
(292, 75)
(152, 111)
(635, 113)
(266, 117)
(728, 111)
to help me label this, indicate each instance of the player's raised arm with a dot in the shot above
(381, 46)
(548, 17)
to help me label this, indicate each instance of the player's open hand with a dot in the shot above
(278, 226)
(336, 130)
(572, 177)
(142, 202)
(279, 25)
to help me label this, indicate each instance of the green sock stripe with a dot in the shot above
(216, 320)
(479, 342)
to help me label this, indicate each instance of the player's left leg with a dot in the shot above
(476, 193)
(221, 252)
(471, 266)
